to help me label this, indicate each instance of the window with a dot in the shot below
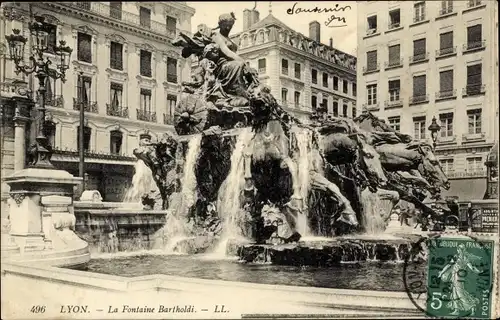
(394, 90)
(345, 86)
(171, 70)
(371, 60)
(314, 76)
(394, 55)
(446, 43)
(474, 120)
(446, 124)
(145, 63)
(146, 100)
(419, 9)
(335, 83)
(83, 5)
(115, 142)
(335, 108)
(372, 24)
(419, 128)
(87, 133)
(344, 110)
(284, 94)
(474, 164)
(325, 80)
(473, 3)
(446, 7)
(115, 10)
(84, 89)
(395, 123)
(371, 94)
(145, 17)
(171, 103)
(394, 19)
(324, 104)
(84, 47)
(297, 70)
(116, 94)
(474, 37)
(284, 66)
(52, 37)
(446, 83)
(354, 112)
(116, 56)
(262, 65)
(447, 165)
(419, 49)
(354, 89)
(171, 24)
(419, 88)
(296, 98)
(474, 79)
(314, 102)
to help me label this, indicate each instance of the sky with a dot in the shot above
(344, 38)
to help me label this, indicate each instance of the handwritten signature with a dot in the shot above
(330, 21)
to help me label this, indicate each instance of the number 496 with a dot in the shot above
(37, 309)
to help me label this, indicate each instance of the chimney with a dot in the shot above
(247, 19)
(331, 42)
(255, 17)
(314, 31)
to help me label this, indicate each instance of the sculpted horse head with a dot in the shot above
(370, 160)
(429, 166)
(160, 156)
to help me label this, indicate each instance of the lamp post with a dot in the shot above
(40, 67)
(434, 128)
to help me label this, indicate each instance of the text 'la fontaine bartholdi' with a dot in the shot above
(161, 309)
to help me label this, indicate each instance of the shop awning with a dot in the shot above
(466, 189)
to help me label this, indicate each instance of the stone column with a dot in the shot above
(21, 118)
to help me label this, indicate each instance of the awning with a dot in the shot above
(69, 158)
(466, 189)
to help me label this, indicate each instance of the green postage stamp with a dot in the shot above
(460, 278)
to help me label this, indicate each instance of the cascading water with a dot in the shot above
(142, 183)
(374, 206)
(175, 226)
(228, 204)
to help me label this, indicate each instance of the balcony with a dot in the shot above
(371, 33)
(446, 140)
(446, 52)
(262, 70)
(88, 106)
(446, 95)
(393, 26)
(168, 119)
(116, 64)
(473, 90)
(371, 107)
(473, 4)
(131, 19)
(420, 19)
(371, 68)
(474, 46)
(172, 78)
(284, 71)
(419, 58)
(54, 100)
(393, 64)
(145, 115)
(466, 174)
(444, 12)
(116, 111)
(60, 155)
(393, 103)
(473, 137)
(423, 98)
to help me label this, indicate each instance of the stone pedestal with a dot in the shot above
(41, 210)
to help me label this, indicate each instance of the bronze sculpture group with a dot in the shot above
(347, 155)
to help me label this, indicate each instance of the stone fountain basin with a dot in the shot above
(326, 252)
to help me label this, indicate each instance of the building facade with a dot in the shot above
(426, 59)
(302, 73)
(124, 72)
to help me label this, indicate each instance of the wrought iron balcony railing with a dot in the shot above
(262, 70)
(419, 57)
(393, 64)
(445, 11)
(451, 174)
(116, 64)
(53, 100)
(116, 111)
(393, 25)
(371, 68)
(446, 94)
(168, 119)
(123, 16)
(87, 105)
(419, 18)
(473, 3)
(393, 103)
(419, 99)
(284, 71)
(446, 51)
(474, 45)
(145, 115)
(473, 89)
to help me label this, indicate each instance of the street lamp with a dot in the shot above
(434, 128)
(41, 68)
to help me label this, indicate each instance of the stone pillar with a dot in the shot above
(19, 143)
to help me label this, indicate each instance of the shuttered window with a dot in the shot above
(335, 109)
(262, 65)
(419, 47)
(394, 55)
(474, 36)
(474, 76)
(446, 82)
(446, 42)
(371, 60)
(419, 89)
